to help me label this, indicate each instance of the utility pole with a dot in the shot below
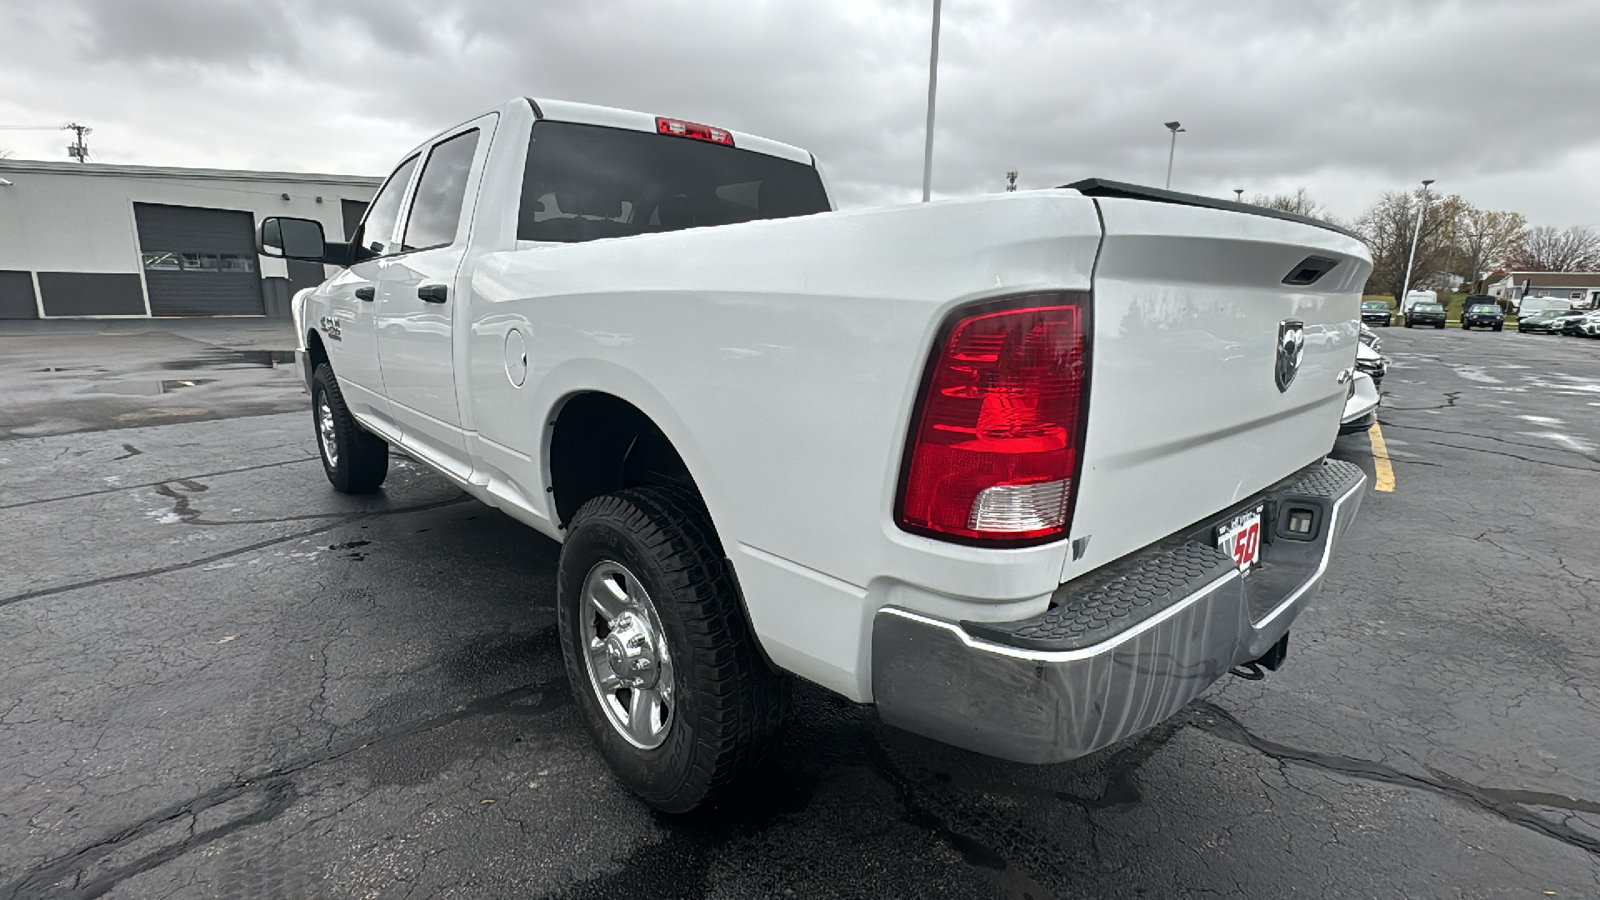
(933, 86)
(78, 150)
(1405, 286)
(1011, 180)
(1173, 127)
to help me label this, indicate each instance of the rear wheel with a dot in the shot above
(1439, 326)
(665, 668)
(355, 460)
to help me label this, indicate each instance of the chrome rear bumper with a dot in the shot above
(1121, 649)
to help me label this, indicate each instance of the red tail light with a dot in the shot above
(695, 130)
(995, 440)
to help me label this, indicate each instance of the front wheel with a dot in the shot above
(355, 460)
(1498, 327)
(1439, 327)
(665, 668)
(1408, 323)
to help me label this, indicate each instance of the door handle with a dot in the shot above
(433, 293)
(365, 293)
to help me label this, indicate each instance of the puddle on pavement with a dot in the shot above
(144, 387)
(234, 359)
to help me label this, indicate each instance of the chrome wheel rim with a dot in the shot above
(626, 656)
(326, 436)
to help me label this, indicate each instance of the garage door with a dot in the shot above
(197, 261)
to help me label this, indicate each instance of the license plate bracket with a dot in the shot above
(1240, 538)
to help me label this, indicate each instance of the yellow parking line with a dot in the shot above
(1380, 460)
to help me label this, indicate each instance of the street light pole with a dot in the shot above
(1173, 127)
(933, 86)
(1405, 286)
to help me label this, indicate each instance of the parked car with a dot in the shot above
(1590, 326)
(1425, 314)
(1370, 338)
(1482, 315)
(1412, 298)
(1360, 404)
(1532, 305)
(1370, 361)
(1545, 321)
(1377, 312)
(774, 440)
(1575, 323)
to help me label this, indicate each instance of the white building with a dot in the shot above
(1576, 289)
(94, 240)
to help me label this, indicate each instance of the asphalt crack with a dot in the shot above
(276, 792)
(1506, 803)
(1485, 437)
(148, 484)
(348, 519)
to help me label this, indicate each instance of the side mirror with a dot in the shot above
(288, 238)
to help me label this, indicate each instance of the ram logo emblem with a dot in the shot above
(1291, 351)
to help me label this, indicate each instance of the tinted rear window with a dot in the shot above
(1483, 309)
(1374, 304)
(1429, 307)
(584, 182)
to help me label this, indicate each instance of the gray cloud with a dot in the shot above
(1494, 98)
(212, 32)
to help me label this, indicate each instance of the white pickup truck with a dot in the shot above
(1027, 471)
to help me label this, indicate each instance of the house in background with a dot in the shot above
(1579, 289)
(93, 240)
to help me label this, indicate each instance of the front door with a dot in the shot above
(417, 299)
(350, 328)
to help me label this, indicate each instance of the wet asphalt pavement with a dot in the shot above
(221, 678)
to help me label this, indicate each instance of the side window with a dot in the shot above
(436, 210)
(384, 212)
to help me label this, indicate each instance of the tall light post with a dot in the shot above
(1173, 127)
(1405, 286)
(933, 86)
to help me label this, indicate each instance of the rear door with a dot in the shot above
(1220, 364)
(417, 299)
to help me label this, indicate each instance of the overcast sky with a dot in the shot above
(1499, 100)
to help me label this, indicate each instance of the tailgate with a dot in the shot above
(1186, 415)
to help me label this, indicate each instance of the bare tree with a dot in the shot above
(1387, 227)
(1547, 249)
(1297, 202)
(1484, 237)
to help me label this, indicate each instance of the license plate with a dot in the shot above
(1240, 538)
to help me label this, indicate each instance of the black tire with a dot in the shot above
(1498, 327)
(356, 460)
(1439, 327)
(1408, 323)
(727, 702)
